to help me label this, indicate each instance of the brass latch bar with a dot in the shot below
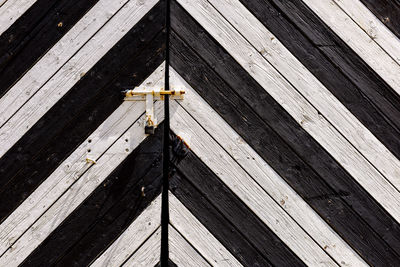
(145, 94)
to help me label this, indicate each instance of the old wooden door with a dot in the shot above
(284, 152)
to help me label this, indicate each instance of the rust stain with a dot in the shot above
(180, 138)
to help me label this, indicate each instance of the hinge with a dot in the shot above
(150, 95)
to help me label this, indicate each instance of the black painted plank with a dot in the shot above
(309, 169)
(215, 205)
(34, 33)
(107, 212)
(38, 153)
(345, 90)
(387, 11)
(367, 85)
(170, 264)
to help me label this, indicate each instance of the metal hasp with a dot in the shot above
(145, 94)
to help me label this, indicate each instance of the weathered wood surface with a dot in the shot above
(74, 196)
(371, 25)
(197, 235)
(214, 204)
(107, 212)
(387, 11)
(249, 191)
(354, 94)
(293, 134)
(370, 85)
(304, 113)
(78, 114)
(130, 246)
(340, 199)
(271, 183)
(11, 10)
(182, 253)
(384, 62)
(148, 254)
(42, 26)
(45, 84)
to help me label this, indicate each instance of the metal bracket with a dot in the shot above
(144, 94)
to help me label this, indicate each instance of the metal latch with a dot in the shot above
(144, 94)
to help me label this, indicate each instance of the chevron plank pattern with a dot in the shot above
(285, 151)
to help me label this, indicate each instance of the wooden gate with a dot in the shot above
(284, 152)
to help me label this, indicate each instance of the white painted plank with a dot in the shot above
(11, 10)
(265, 176)
(133, 237)
(182, 253)
(57, 56)
(311, 88)
(1, 4)
(77, 193)
(30, 103)
(198, 236)
(372, 26)
(305, 113)
(228, 170)
(75, 166)
(368, 42)
(147, 255)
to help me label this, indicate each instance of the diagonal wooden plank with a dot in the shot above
(227, 169)
(372, 26)
(299, 159)
(11, 10)
(366, 42)
(182, 252)
(77, 193)
(197, 235)
(387, 11)
(34, 33)
(260, 171)
(80, 112)
(300, 109)
(53, 88)
(57, 56)
(145, 229)
(75, 166)
(311, 88)
(147, 255)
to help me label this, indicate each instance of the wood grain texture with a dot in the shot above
(65, 77)
(298, 107)
(109, 210)
(11, 10)
(78, 114)
(181, 251)
(316, 99)
(197, 235)
(42, 26)
(343, 57)
(349, 92)
(213, 204)
(387, 66)
(372, 26)
(246, 188)
(303, 164)
(269, 180)
(76, 194)
(53, 61)
(386, 11)
(148, 254)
